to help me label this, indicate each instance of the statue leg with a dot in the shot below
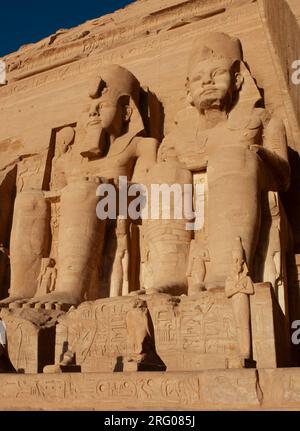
(116, 281)
(233, 211)
(241, 310)
(80, 242)
(29, 243)
(168, 258)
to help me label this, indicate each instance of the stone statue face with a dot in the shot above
(65, 139)
(51, 263)
(210, 82)
(107, 114)
(238, 263)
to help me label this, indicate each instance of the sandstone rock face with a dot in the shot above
(149, 216)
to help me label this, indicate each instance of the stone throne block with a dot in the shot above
(189, 332)
(30, 338)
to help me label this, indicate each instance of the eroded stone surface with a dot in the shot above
(204, 390)
(30, 343)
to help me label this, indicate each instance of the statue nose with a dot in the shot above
(206, 79)
(94, 111)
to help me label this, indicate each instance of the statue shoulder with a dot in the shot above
(144, 145)
(269, 119)
(247, 119)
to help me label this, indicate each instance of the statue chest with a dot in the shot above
(228, 152)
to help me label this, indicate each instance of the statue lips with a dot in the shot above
(94, 123)
(208, 90)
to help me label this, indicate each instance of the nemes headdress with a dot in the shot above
(215, 45)
(115, 81)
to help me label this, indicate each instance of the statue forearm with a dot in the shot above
(278, 166)
(146, 154)
(274, 152)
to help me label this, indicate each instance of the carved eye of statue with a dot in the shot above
(219, 72)
(105, 104)
(197, 77)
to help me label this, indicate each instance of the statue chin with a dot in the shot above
(210, 103)
(95, 143)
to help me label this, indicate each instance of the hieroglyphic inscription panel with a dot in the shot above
(103, 391)
(191, 333)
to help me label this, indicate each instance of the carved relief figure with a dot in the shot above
(119, 285)
(137, 324)
(147, 269)
(238, 287)
(62, 165)
(278, 246)
(142, 353)
(47, 276)
(64, 141)
(196, 271)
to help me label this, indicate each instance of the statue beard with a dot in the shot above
(215, 103)
(96, 142)
(210, 103)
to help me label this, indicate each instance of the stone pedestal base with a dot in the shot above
(190, 333)
(30, 338)
(57, 369)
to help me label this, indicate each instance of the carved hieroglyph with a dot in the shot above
(190, 332)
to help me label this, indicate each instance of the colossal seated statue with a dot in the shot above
(115, 142)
